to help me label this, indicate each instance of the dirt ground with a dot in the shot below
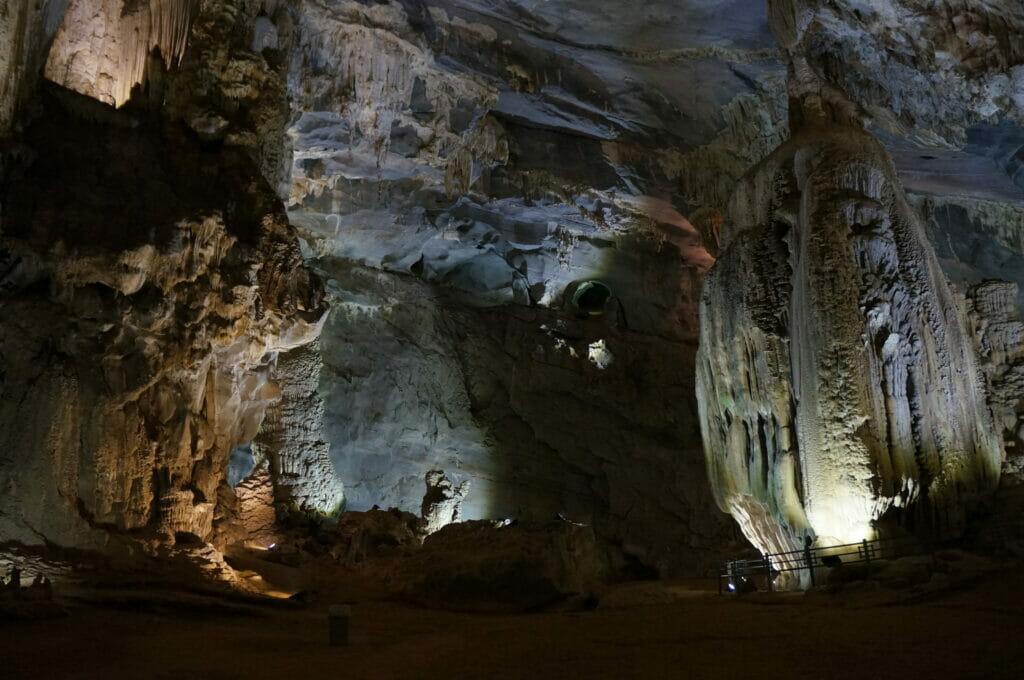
(975, 632)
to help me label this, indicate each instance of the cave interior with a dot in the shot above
(511, 338)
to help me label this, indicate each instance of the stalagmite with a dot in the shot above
(292, 437)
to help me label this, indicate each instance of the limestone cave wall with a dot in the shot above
(150, 278)
(459, 171)
(514, 208)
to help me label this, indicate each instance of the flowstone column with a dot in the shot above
(292, 438)
(838, 387)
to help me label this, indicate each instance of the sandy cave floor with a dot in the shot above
(971, 633)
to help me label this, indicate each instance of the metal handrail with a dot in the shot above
(771, 565)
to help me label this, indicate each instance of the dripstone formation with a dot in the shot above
(148, 282)
(267, 261)
(841, 393)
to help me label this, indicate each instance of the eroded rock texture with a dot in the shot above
(839, 387)
(292, 437)
(141, 318)
(514, 204)
(256, 514)
(460, 171)
(26, 29)
(921, 68)
(149, 280)
(103, 47)
(837, 381)
(996, 323)
(442, 503)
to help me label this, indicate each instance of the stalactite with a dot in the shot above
(371, 74)
(26, 27)
(103, 46)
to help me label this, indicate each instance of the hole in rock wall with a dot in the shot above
(590, 297)
(240, 465)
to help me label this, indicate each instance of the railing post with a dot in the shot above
(808, 559)
(768, 573)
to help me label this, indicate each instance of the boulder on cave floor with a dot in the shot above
(492, 566)
(363, 535)
(904, 579)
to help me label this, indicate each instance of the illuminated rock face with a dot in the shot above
(457, 169)
(507, 399)
(442, 504)
(144, 303)
(836, 379)
(141, 319)
(256, 515)
(103, 47)
(839, 387)
(458, 172)
(292, 437)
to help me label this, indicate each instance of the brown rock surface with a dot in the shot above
(142, 314)
(483, 565)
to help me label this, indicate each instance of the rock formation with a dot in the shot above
(836, 378)
(137, 339)
(26, 29)
(512, 207)
(442, 504)
(480, 566)
(459, 173)
(839, 388)
(256, 513)
(292, 438)
(103, 47)
(996, 324)
(143, 311)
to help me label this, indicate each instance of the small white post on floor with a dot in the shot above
(338, 617)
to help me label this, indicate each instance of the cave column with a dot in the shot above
(827, 317)
(292, 438)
